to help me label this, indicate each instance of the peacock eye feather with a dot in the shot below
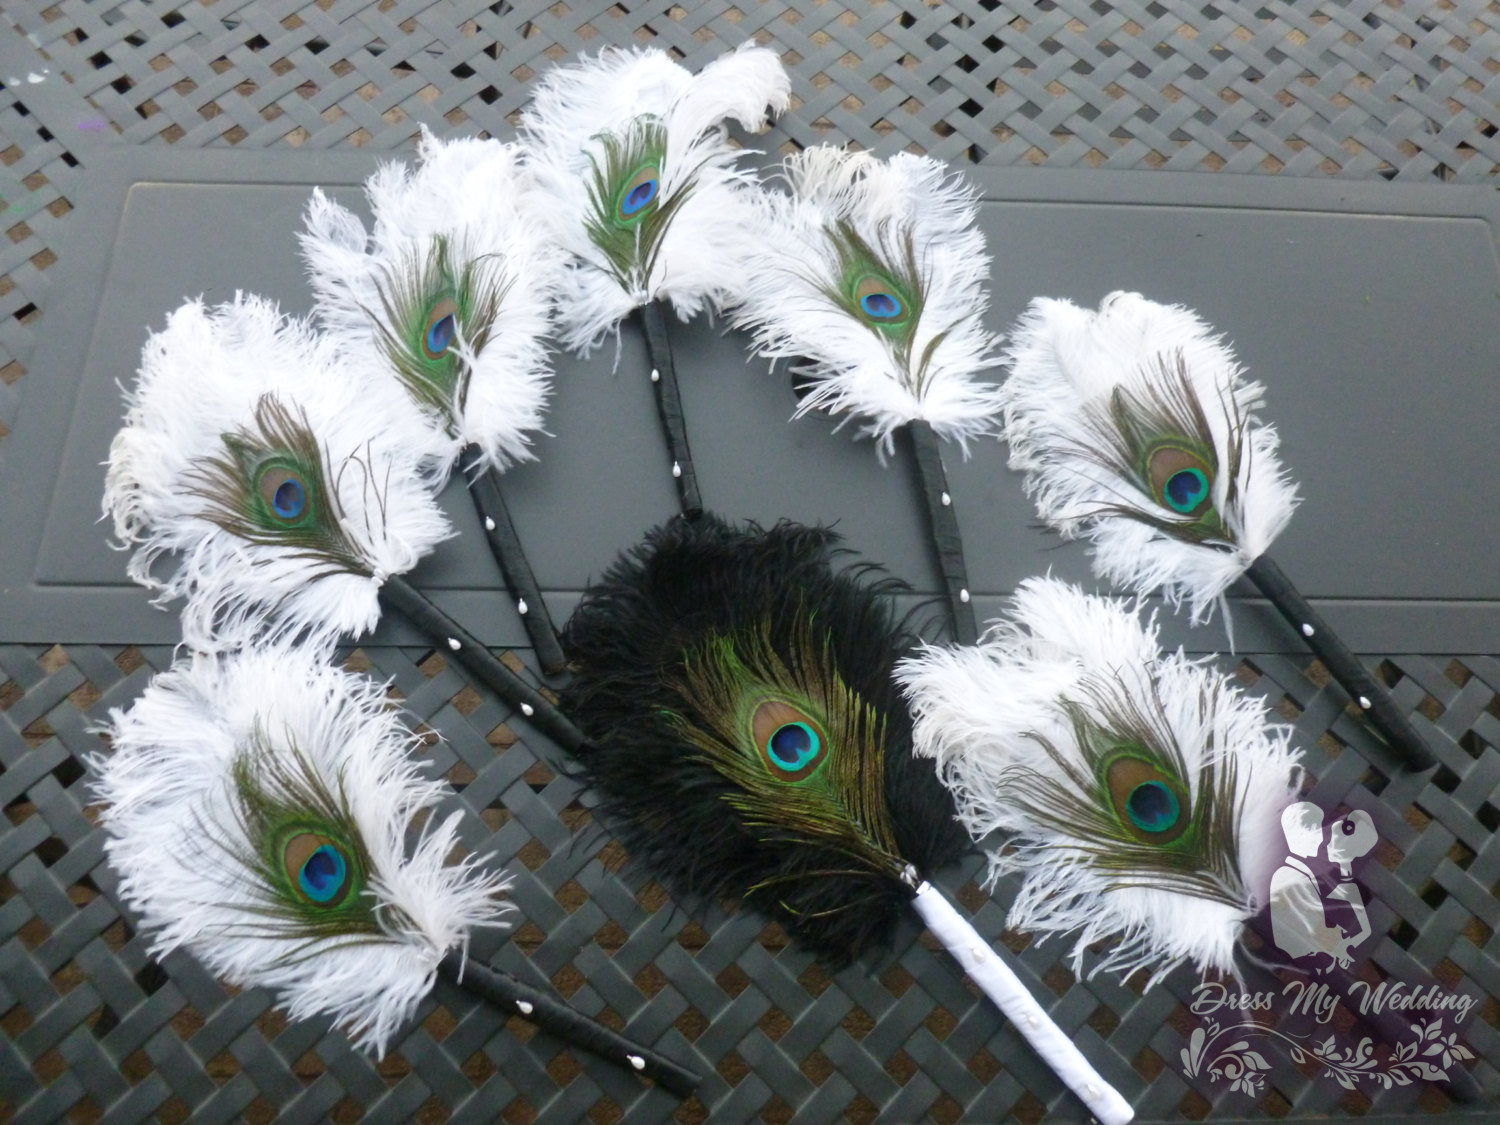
(628, 212)
(317, 867)
(283, 491)
(882, 301)
(270, 488)
(1126, 798)
(441, 328)
(303, 848)
(790, 740)
(880, 286)
(1181, 479)
(801, 747)
(1157, 435)
(638, 195)
(434, 299)
(1149, 803)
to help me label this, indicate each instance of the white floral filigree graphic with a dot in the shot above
(1428, 1056)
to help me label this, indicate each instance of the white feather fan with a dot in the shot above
(285, 491)
(640, 180)
(458, 236)
(873, 271)
(1136, 429)
(1143, 790)
(258, 813)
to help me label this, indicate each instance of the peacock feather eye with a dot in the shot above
(881, 301)
(1181, 479)
(638, 194)
(284, 491)
(441, 328)
(1150, 804)
(318, 867)
(790, 740)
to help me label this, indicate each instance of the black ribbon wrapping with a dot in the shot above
(443, 631)
(1367, 692)
(669, 406)
(942, 523)
(505, 545)
(509, 994)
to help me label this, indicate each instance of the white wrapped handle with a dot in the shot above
(1002, 986)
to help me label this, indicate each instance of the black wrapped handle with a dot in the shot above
(552, 1015)
(1343, 665)
(942, 522)
(457, 642)
(505, 545)
(669, 406)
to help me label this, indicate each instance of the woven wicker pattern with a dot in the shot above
(92, 1026)
(1360, 89)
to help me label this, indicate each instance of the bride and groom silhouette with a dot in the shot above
(1300, 908)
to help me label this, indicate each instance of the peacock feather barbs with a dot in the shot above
(439, 303)
(1141, 791)
(744, 731)
(270, 488)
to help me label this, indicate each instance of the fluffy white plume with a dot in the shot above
(1090, 398)
(593, 125)
(908, 224)
(1144, 791)
(473, 202)
(227, 399)
(210, 747)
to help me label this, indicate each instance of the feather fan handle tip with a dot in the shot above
(550, 1014)
(258, 814)
(283, 490)
(1136, 430)
(633, 155)
(449, 292)
(1143, 790)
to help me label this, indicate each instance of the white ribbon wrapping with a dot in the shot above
(1002, 986)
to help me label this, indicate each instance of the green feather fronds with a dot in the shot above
(841, 805)
(278, 795)
(440, 273)
(1076, 800)
(235, 485)
(1165, 410)
(893, 263)
(630, 246)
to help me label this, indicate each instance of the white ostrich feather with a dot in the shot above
(640, 108)
(1026, 727)
(916, 219)
(193, 858)
(213, 380)
(1074, 374)
(474, 203)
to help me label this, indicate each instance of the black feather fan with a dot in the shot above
(746, 735)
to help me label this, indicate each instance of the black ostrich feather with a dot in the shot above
(745, 734)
